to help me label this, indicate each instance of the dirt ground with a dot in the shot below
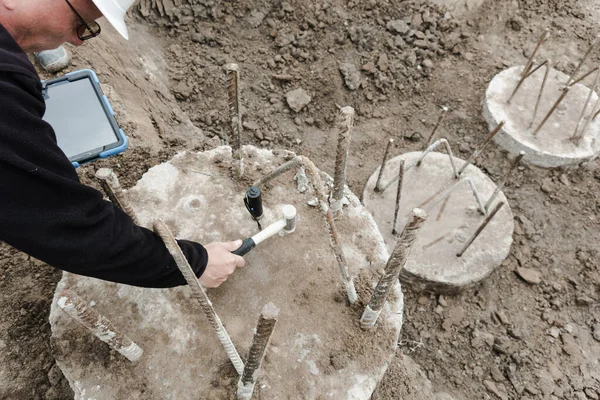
(508, 338)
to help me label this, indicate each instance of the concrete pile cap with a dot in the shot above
(433, 264)
(317, 348)
(551, 146)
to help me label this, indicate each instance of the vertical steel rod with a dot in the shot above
(262, 335)
(536, 68)
(432, 134)
(345, 125)
(198, 291)
(500, 186)
(480, 228)
(592, 116)
(540, 94)
(576, 137)
(340, 257)
(392, 269)
(478, 152)
(585, 56)
(385, 159)
(398, 195)
(233, 74)
(543, 39)
(560, 99)
(110, 184)
(99, 325)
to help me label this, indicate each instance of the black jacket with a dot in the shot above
(47, 213)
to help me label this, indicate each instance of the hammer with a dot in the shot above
(287, 225)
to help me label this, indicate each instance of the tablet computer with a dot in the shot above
(82, 118)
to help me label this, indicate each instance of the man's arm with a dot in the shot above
(46, 212)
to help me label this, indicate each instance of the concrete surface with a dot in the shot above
(433, 264)
(551, 147)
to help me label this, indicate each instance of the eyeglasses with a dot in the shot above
(85, 31)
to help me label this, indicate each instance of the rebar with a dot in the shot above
(480, 228)
(434, 131)
(345, 124)
(425, 153)
(513, 166)
(584, 76)
(576, 137)
(262, 335)
(539, 97)
(347, 280)
(398, 195)
(233, 74)
(586, 55)
(378, 189)
(452, 188)
(99, 325)
(554, 106)
(198, 292)
(535, 69)
(516, 89)
(110, 184)
(543, 39)
(478, 152)
(283, 168)
(595, 112)
(395, 263)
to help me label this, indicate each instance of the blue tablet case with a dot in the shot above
(82, 117)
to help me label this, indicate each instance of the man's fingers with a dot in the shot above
(239, 261)
(231, 246)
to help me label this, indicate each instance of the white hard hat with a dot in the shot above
(114, 11)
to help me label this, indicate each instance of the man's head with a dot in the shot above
(46, 24)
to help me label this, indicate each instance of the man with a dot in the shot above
(44, 210)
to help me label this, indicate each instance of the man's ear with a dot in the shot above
(9, 4)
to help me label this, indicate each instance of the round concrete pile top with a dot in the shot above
(552, 145)
(433, 264)
(317, 350)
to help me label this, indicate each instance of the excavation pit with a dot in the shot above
(433, 264)
(552, 145)
(318, 349)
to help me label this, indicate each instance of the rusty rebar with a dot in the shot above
(233, 75)
(554, 106)
(329, 221)
(435, 145)
(392, 269)
(478, 152)
(98, 324)
(110, 184)
(434, 131)
(283, 168)
(378, 188)
(542, 40)
(262, 335)
(500, 186)
(398, 195)
(540, 93)
(584, 76)
(198, 292)
(576, 137)
(480, 228)
(585, 56)
(345, 125)
(448, 191)
(536, 68)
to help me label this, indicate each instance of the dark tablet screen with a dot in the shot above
(78, 117)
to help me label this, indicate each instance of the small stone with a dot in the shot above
(591, 393)
(554, 332)
(258, 135)
(2, 344)
(351, 75)
(569, 345)
(250, 125)
(383, 62)
(398, 27)
(491, 386)
(427, 63)
(368, 67)
(529, 275)
(596, 333)
(297, 99)
(455, 315)
(555, 372)
(255, 18)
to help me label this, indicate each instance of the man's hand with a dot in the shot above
(221, 263)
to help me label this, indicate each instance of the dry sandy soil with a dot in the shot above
(508, 338)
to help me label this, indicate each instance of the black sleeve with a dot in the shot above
(47, 213)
